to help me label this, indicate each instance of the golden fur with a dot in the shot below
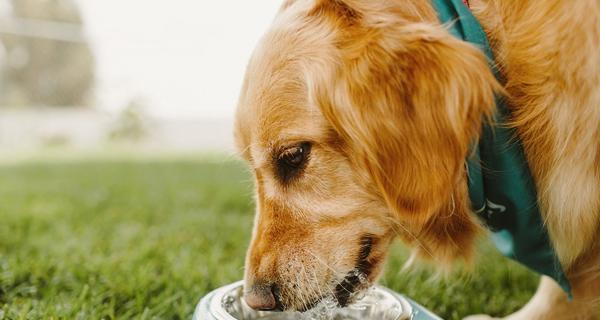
(390, 102)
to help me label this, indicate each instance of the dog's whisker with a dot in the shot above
(322, 262)
(307, 280)
(336, 274)
(394, 224)
(311, 284)
(298, 290)
(314, 273)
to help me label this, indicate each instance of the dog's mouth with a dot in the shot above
(356, 279)
(349, 287)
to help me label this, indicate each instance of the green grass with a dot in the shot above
(146, 239)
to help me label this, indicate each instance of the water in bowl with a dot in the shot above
(374, 304)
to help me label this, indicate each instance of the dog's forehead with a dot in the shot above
(274, 106)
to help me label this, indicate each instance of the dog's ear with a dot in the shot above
(408, 101)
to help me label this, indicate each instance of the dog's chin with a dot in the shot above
(312, 304)
(356, 280)
(347, 291)
(351, 287)
(336, 300)
(354, 285)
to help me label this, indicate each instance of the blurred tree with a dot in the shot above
(38, 69)
(131, 124)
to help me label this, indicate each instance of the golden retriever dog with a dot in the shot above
(356, 119)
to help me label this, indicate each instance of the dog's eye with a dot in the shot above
(291, 161)
(294, 156)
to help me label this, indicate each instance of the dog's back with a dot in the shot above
(549, 52)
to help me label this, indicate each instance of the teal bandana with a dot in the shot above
(501, 188)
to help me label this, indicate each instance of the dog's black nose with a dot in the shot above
(262, 297)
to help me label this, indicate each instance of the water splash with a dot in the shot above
(324, 310)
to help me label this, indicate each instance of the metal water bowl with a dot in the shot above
(379, 303)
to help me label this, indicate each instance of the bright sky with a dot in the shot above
(183, 57)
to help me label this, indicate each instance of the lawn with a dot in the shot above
(131, 239)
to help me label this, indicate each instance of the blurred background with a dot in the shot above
(153, 75)
(119, 194)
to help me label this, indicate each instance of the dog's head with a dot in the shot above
(356, 118)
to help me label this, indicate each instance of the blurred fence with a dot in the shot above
(85, 128)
